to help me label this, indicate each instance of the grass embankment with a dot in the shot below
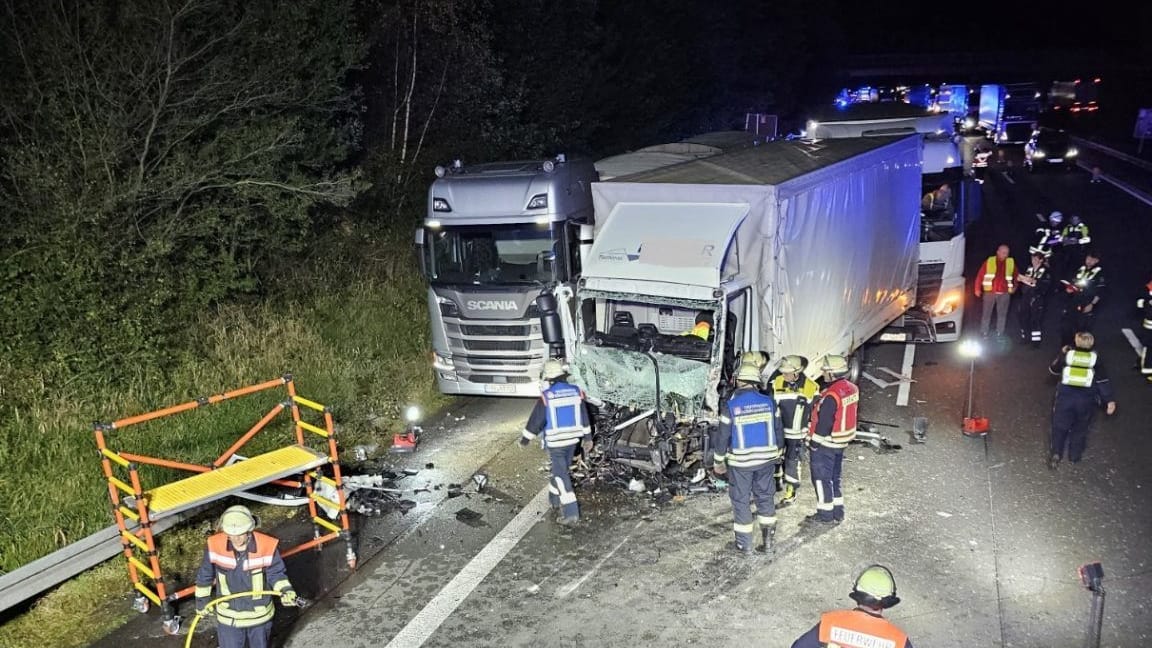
(360, 348)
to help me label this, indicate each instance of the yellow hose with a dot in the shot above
(212, 604)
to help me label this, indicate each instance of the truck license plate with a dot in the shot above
(500, 389)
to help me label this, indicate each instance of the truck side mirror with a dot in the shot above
(418, 240)
(551, 329)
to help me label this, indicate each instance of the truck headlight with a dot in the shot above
(1072, 152)
(947, 304)
(1037, 153)
(442, 363)
(448, 308)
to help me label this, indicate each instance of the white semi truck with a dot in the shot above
(789, 247)
(955, 202)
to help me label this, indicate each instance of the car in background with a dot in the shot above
(1049, 147)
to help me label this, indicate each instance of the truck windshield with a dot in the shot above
(490, 254)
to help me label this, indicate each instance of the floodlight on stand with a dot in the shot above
(412, 414)
(973, 426)
(1092, 577)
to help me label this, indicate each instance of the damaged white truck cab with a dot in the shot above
(788, 247)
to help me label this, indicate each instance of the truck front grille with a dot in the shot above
(928, 283)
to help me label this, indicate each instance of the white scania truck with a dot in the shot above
(494, 235)
(789, 247)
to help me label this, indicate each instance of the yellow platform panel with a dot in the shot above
(240, 476)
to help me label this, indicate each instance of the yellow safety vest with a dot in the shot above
(990, 273)
(1078, 368)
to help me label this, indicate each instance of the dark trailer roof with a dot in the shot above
(772, 163)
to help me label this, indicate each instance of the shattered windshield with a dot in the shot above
(490, 254)
(621, 339)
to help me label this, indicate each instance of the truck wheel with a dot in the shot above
(856, 365)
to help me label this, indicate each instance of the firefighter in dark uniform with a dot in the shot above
(746, 448)
(833, 428)
(561, 415)
(794, 393)
(1035, 287)
(1047, 241)
(874, 592)
(1074, 241)
(1083, 388)
(1145, 306)
(240, 559)
(1084, 292)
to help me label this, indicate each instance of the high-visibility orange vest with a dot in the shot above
(847, 397)
(858, 629)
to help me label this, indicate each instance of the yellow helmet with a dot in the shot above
(875, 587)
(749, 373)
(793, 364)
(757, 358)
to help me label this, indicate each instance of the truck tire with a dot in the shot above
(856, 365)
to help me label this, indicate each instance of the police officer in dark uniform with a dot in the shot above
(1032, 298)
(562, 416)
(1083, 387)
(1084, 293)
(1074, 240)
(746, 448)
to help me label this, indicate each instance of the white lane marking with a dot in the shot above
(453, 594)
(882, 384)
(1133, 340)
(906, 370)
(1122, 186)
(571, 587)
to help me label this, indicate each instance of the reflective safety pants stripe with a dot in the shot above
(1146, 354)
(745, 487)
(1072, 416)
(793, 456)
(560, 493)
(826, 466)
(1032, 309)
(255, 637)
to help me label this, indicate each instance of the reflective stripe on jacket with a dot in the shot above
(859, 629)
(258, 568)
(843, 430)
(750, 431)
(794, 400)
(991, 269)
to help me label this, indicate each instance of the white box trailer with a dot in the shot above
(790, 247)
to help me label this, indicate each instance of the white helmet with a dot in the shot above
(835, 364)
(792, 364)
(748, 373)
(237, 520)
(1055, 218)
(553, 369)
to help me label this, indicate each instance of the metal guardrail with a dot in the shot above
(1120, 155)
(49, 571)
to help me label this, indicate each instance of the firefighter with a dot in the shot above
(833, 428)
(1047, 237)
(241, 559)
(1084, 293)
(794, 393)
(746, 447)
(1082, 388)
(874, 591)
(1145, 306)
(703, 326)
(1074, 240)
(1035, 286)
(561, 415)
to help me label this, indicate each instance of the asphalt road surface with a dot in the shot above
(983, 539)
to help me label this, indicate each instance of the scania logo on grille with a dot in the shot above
(491, 304)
